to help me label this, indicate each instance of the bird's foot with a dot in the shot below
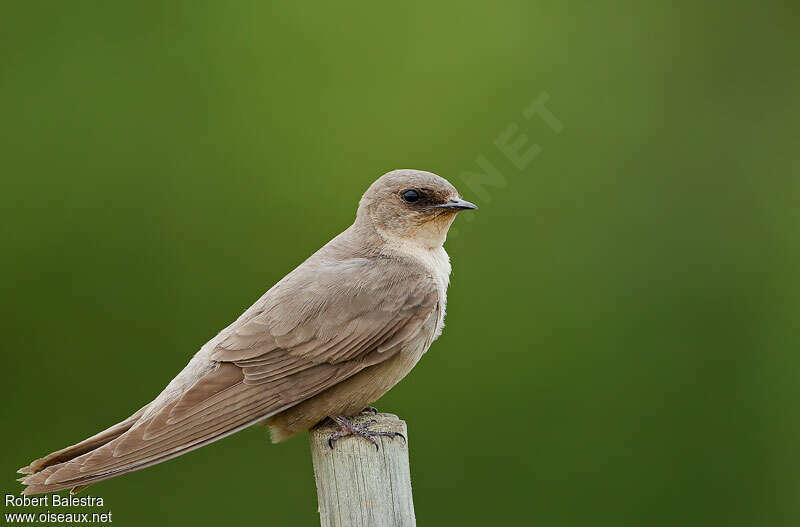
(370, 410)
(349, 428)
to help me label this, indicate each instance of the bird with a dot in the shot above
(324, 343)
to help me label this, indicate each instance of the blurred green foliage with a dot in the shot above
(622, 342)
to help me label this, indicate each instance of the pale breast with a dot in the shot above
(437, 262)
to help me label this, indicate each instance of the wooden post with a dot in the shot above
(358, 486)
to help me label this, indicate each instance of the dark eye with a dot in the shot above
(410, 196)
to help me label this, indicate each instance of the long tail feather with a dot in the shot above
(87, 445)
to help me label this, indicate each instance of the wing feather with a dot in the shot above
(311, 331)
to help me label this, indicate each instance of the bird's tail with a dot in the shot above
(87, 445)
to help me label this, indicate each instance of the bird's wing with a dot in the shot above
(314, 329)
(356, 312)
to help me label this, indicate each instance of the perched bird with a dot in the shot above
(326, 341)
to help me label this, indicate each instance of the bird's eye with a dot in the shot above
(410, 196)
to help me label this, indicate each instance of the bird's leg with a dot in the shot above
(370, 410)
(348, 428)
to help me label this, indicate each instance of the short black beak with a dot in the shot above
(458, 204)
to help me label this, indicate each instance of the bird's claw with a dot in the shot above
(349, 428)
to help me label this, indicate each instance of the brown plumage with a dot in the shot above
(329, 339)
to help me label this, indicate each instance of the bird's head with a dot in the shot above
(412, 206)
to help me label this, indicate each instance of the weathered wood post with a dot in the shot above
(358, 486)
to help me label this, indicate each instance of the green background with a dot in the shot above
(622, 339)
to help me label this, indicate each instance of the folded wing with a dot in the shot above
(323, 323)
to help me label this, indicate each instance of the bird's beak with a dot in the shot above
(459, 204)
